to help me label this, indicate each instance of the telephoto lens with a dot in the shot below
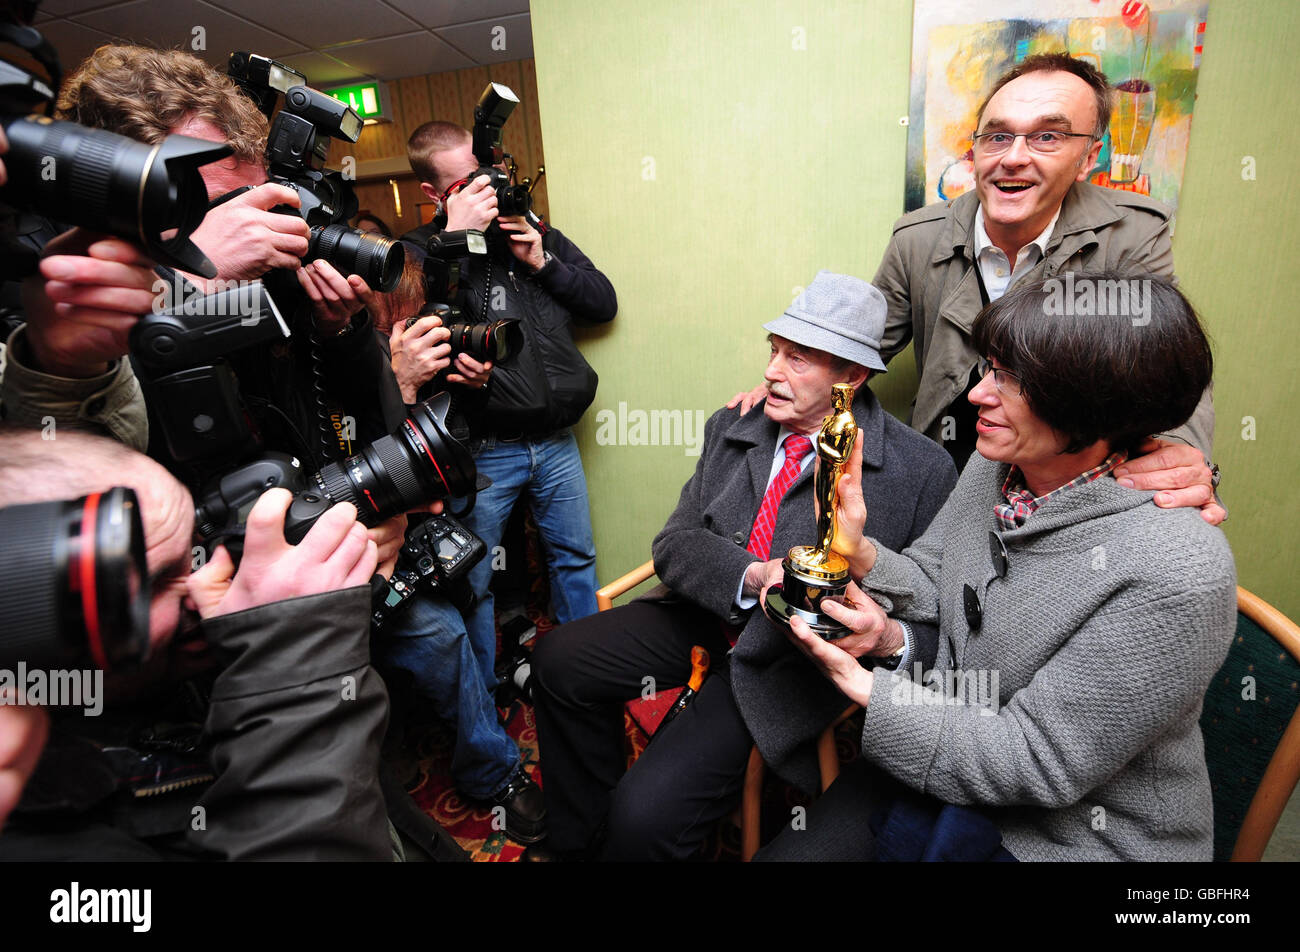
(497, 341)
(107, 182)
(419, 463)
(377, 259)
(76, 582)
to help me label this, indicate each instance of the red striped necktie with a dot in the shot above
(760, 537)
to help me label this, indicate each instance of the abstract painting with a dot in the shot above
(1150, 51)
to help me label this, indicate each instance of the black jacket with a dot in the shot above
(548, 385)
(293, 732)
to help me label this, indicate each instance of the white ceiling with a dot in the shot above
(331, 41)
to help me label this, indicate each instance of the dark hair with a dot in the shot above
(367, 216)
(1059, 63)
(1101, 356)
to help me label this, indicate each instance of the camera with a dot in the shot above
(97, 179)
(296, 151)
(420, 462)
(490, 114)
(179, 356)
(436, 554)
(497, 341)
(76, 582)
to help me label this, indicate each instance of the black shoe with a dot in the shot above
(525, 809)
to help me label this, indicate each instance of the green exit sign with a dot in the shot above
(369, 100)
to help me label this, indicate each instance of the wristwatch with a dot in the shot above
(891, 662)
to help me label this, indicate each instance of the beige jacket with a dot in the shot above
(928, 279)
(111, 403)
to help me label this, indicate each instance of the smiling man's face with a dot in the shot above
(1021, 190)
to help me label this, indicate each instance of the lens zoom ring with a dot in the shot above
(397, 463)
(91, 173)
(29, 612)
(337, 486)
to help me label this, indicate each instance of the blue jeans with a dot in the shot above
(549, 470)
(428, 639)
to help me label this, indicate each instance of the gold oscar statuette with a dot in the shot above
(817, 572)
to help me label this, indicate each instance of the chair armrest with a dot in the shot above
(605, 596)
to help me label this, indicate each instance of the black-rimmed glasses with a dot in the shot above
(1044, 141)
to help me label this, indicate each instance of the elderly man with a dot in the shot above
(1032, 215)
(750, 500)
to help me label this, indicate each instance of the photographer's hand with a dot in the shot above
(334, 298)
(335, 554)
(474, 206)
(81, 306)
(472, 374)
(23, 731)
(245, 239)
(388, 537)
(525, 241)
(418, 354)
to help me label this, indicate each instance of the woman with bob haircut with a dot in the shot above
(1080, 624)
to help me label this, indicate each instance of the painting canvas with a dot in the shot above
(1150, 51)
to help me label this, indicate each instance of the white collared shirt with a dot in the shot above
(995, 269)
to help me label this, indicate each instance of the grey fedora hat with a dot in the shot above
(839, 314)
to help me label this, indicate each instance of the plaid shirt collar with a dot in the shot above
(1021, 503)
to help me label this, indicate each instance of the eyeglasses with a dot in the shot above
(1007, 382)
(1044, 142)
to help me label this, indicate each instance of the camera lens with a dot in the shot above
(76, 582)
(497, 341)
(377, 259)
(107, 182)
(419, 463)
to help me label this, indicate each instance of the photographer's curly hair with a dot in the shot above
(143, 94)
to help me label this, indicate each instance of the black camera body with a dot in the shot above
(420, 462)
(296, 150)
(437, 553)
(496, 341)
(179, 355)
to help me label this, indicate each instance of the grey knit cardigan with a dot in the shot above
(1095, 650)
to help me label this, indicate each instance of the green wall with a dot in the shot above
(712, 157)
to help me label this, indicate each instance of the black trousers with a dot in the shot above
(686, 780)
(838, 824)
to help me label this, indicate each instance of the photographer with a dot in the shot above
(295, 389)
(296, 713)
(519, 413)
(65, 365)
(518, 416)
